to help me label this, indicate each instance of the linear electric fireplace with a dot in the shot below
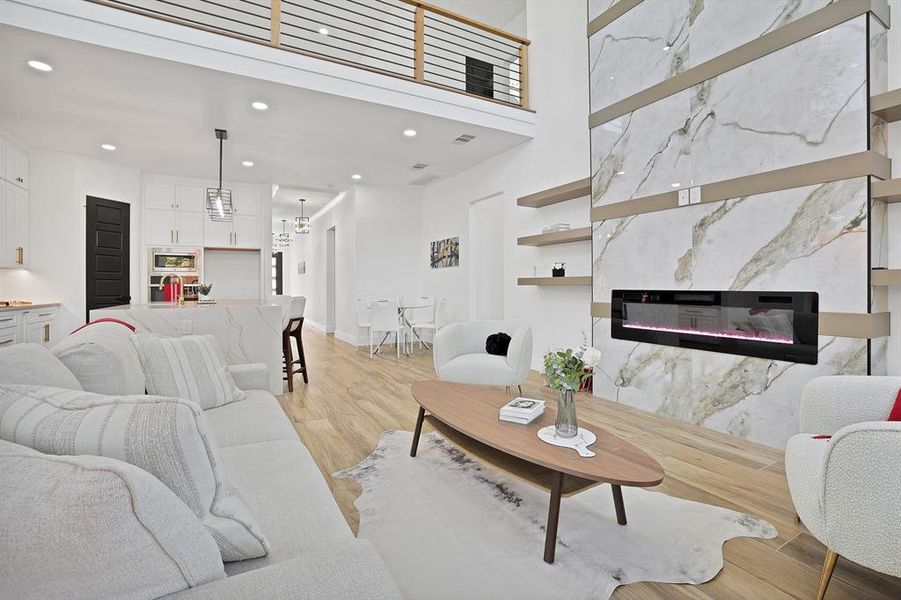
(777, 325)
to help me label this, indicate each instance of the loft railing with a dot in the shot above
(402, 38)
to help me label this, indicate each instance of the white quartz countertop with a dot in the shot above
(191, 305)
(28, 306)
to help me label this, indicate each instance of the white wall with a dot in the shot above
(234, 275)
(341, 217)
(59, 184)
(559, 154)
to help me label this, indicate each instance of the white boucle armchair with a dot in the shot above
(847, 489)
(459, 352)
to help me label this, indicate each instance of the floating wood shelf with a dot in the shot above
(555, 195)
(887, 106)
(555, 281)
(859, 164)
(886, 277)
(889, 190)
(851, 325)
(582, 234)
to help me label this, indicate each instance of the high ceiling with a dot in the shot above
(161, 116)
(286, 205)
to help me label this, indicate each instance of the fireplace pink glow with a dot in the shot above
(759, 336)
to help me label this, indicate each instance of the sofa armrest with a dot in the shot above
(519, 354)
(830, 403)
(250, 376)
(352, 571)
(862, 493)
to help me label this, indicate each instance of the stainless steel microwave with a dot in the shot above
(166, 260)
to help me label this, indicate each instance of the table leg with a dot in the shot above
(618, 503)
(417, 431)
(379, 347)
(553, 516)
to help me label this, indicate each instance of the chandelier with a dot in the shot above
(219, 201)
(302, 223)
(284, 238)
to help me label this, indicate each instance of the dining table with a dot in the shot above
(402, 315)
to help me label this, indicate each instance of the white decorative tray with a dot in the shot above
(578, 442)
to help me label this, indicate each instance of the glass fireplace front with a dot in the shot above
(777, 325)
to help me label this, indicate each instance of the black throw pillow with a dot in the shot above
(497, 343)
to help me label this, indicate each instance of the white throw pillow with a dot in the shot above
(103, 359)
(190, 367)
(167, 437)
(32, 364)
(93, 527)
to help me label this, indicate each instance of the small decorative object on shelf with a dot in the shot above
(203, 293)
(565, 371)
(521, 410)
(558, 270)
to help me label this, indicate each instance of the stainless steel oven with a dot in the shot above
(166, 260)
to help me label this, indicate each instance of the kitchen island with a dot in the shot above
(249, 331)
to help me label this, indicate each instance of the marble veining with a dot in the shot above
(735, 124)
(248, 332)
(659, 39)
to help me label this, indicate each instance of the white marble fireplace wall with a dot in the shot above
(803, 103)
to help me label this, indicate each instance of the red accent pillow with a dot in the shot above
(895, 415)
(106, 320)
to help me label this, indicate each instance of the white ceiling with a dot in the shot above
(286, 205)
(161, 115)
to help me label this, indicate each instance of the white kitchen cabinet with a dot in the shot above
(240, 232)
(189, 228)
(172, 226)
(159, 227)
(246, 202)
(190, 198)
(16, 166)
(217, 234)
(29, 325)
(14, 247)
(159, 196)
(247, 232)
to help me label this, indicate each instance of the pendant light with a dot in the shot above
(284, 238)
(302, 223)
(219, 201)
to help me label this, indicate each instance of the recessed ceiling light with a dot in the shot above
(666, 48)
(356, 176)
(620, 172)
(39, 66)
(410, 132)
(675, 184)
(611, 78)
(323, 31)
(108, 147)
(259, 105)
(247, 163)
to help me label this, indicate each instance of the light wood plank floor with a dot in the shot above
(351, 399)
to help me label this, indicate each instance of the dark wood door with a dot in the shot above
(107, 253)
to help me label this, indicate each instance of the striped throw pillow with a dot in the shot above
(167, 437)
(192, 367)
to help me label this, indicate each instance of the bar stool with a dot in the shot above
(294, 329)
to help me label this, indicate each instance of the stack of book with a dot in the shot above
(556, 227)
(522, 410)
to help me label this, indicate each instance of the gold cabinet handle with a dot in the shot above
(20, 255)
(46, 332)
(176, 236)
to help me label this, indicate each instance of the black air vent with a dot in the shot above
(464, 139)
(419, 166)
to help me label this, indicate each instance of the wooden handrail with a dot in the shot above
(419, 44)
(472, 22)
(275, 22)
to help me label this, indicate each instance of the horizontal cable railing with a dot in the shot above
(404, 38)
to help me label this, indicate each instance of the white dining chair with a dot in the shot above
(363, 317)
(383, 318)
(423, 318)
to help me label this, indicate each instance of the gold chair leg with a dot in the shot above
(826, 574)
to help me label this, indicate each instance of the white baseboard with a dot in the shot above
(315, 325)
(346, 338)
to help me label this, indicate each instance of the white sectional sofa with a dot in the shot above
(313, 553)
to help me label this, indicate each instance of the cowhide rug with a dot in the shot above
(450, 527)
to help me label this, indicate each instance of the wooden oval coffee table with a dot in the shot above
(468, 416)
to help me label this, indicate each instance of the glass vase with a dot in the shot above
(566, 425)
